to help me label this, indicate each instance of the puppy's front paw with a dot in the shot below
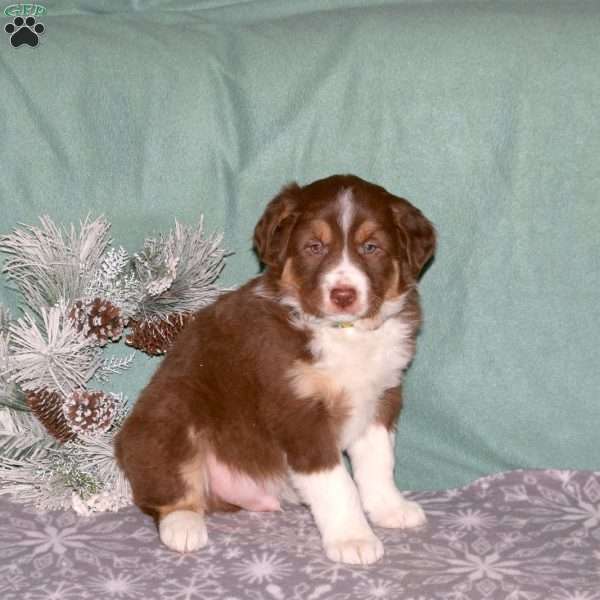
(402, 514)
(361, 551)
(183, 531)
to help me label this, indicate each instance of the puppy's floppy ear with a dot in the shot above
(272, 232)
(416, 232)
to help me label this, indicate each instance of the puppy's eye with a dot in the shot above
(315, 247)
(369, 248)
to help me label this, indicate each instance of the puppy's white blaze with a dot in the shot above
(345, 273)
(183, 531)
(372, 458)
(335, 505)
(346, 214)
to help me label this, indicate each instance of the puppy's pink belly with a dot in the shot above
(239, 489)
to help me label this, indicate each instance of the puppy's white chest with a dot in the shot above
(362, 364)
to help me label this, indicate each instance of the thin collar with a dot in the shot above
(343, 325)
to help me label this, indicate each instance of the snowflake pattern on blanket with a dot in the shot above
(523, 535)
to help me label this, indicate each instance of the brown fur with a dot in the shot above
(225, 386)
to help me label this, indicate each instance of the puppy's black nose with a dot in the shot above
(343, 296)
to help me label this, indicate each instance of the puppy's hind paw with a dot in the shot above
(183, 531)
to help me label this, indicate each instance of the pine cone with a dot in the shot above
(48, 408)
(89, 412)
(99, 319)
(154, 336)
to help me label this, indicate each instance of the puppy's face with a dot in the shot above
(342, 249)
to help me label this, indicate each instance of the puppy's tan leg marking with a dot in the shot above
(181, 525)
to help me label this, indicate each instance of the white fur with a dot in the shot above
(389, 308)
(261, 291)
(363, 363)
(183, 531)
(335, 504)
(346, 214)
(372, 458)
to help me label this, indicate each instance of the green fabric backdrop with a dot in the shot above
(485, 114)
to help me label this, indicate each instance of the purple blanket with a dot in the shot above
(523, 535)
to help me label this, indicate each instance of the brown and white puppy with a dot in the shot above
(266, 388)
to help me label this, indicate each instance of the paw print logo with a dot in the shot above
(24, 31)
